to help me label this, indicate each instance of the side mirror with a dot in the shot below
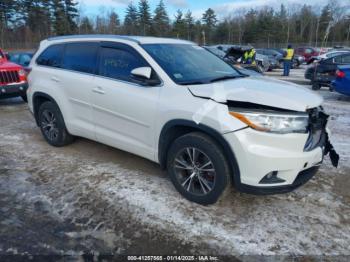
(143, 75)
(142, 72)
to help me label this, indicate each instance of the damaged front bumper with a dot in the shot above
(274, 163)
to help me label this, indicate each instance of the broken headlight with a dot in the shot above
(281, 123)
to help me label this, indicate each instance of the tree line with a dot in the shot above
(29, 21)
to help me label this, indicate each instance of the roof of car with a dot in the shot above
(137, 39)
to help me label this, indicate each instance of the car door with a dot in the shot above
(76, 81)
(124, 110)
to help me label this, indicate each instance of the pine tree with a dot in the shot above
(71, 13)
(144, 17)
(130, 20)
(59, 17)
(113, 23)
(86, 26)
(189, 21)
(160, 24)
(179, 26)
(209, 19)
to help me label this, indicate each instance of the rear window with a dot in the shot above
(80, 57)
(52, 56)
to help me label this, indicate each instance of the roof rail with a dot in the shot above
(124, 37)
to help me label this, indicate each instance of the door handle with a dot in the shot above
(98, 90)
(55, 79)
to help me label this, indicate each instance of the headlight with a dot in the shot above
(21, 72)
(274, 122)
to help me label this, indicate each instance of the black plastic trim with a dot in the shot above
(164, 144)
(35, 109)
(303, 177)
(14, 90)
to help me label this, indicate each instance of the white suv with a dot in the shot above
(177, 104)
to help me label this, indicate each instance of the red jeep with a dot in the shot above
(13, 79)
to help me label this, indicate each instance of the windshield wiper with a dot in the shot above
(192, 83)
(225, 78)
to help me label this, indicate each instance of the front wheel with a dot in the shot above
(198, 168)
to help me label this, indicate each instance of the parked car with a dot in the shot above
(328, 55)
(275, 58)
(21, 58)
(308, 52)
(177, 104)
(236, 52)
(341, 84)
(221, 54)
(297, 59)
(13, 80)
(322, 73)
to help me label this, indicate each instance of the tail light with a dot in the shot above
(340, 74)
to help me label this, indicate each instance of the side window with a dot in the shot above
(80, 57)
(14, 58)
(118, 63)
(52, 56)
(346, 59)
(338, 59)
(308, 51)
(24, 60)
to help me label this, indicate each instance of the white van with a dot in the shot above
(175, 103)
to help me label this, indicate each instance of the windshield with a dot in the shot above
(190, 64)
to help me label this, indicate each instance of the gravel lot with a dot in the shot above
(88, 197)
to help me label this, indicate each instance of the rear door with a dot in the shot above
(76, 80)
(124, 110)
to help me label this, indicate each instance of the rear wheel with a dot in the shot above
(198, 168)
(52, 125)
(316, 86)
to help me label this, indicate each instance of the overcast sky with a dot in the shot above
(222, 7)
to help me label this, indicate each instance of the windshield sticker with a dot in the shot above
(178, 76)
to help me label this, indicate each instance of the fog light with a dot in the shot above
(271, 178)
(3, 90)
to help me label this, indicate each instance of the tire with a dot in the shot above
(24, 98)
(52, 125)
(316, 86)
(201, 182)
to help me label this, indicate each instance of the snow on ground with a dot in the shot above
(108, 201)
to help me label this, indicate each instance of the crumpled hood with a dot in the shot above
(260, 90)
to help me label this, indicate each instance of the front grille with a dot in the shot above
(9, 77)
(317, 129)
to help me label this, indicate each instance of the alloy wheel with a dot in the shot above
(195, 171)
(49, 125)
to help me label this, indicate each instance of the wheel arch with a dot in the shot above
(38, 99)
(176, 128)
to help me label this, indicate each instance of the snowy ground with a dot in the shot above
(90, 197)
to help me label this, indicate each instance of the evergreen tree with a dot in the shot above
(71, 13)
(144, 17)
(189, 21)
(113, 23)
(209, 19)
(59, 17)
(179, 26)
(160, 25)
(130, 20)
(86, 26)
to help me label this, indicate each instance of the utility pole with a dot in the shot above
(203, 35)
